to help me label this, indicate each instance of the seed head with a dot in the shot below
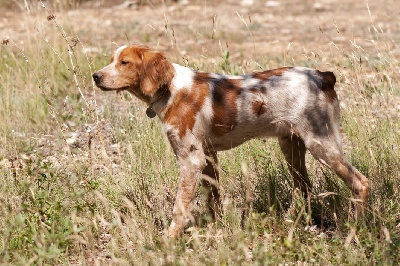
(75, 41)
(6, 40)
(51, 17)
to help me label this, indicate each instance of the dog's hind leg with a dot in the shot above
(294, 150)
(329, 152)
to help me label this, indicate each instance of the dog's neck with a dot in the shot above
(159, 95)
(158, 100)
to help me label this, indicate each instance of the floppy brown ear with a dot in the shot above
(156, 72)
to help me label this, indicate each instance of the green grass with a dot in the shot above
(108, 196)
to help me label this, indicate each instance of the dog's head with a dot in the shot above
(137, 69)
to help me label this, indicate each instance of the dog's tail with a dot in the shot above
(328, 84)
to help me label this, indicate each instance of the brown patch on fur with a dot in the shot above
(259, 108)
(187, 103)
(258, 89)
(225, 94)
(328, 83)
(270, 73)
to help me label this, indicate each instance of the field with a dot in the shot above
(88, 179)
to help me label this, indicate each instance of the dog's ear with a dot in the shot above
(156, 72)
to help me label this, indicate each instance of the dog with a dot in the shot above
(203, 113)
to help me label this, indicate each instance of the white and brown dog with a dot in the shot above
(203, 113)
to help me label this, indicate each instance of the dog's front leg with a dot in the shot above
(191, 163)
(210, 182)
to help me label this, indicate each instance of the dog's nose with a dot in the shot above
(96, 76)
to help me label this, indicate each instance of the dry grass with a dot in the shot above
(87, 178)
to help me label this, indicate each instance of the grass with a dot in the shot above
(87, 177)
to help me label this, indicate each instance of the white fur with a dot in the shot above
(183, 78)
(112, 67)
(250, 82)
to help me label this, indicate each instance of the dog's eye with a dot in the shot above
(124, 63)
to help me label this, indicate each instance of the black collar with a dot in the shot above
(149, 111)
